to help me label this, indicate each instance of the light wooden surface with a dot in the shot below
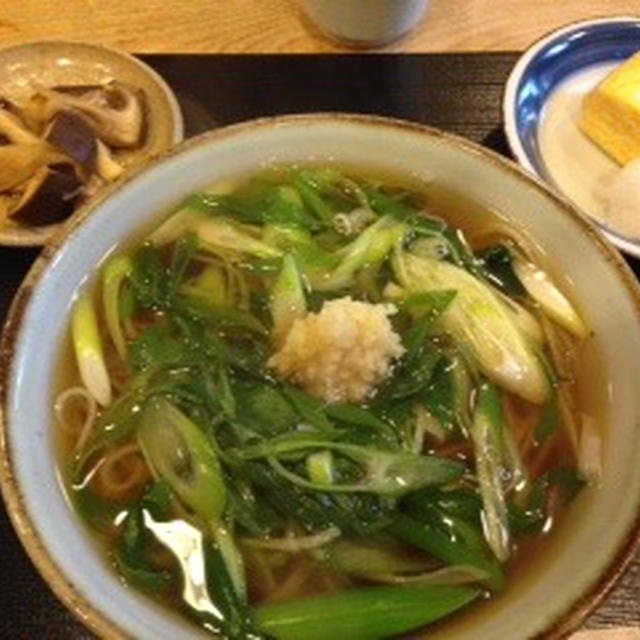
(273, 26)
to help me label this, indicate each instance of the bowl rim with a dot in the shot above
(41, 236)
(81, 607)
(509, 101)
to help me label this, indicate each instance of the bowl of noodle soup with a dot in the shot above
(473, 403)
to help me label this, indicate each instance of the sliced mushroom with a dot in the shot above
(18, 162)
(78, 89)
(7, 203)
(70, 132)
(91, 187)
(107, 167)
(12, 128)
(57, 149)
(11, 107)
(114, 110)
(49, 196)
(4, 103)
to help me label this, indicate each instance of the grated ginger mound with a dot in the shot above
(342, 353)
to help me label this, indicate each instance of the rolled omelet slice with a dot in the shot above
(611, 112)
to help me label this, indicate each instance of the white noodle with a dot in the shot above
(109, 476)
(456, 574)
(61, 407)
(294, 544)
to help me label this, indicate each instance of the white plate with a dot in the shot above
(542, 102)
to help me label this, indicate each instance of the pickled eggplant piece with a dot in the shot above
(49, 197)
(70, 132)
(62, 145)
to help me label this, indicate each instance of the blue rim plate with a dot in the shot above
(544, 66)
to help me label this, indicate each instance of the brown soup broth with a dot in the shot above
(121, 476)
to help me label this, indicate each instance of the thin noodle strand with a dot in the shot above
(292, 583)
(62, 406)
(121, 470)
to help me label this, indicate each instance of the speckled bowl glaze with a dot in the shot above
(76, 63)
(580, 563)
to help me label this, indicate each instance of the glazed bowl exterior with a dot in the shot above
(580, 563)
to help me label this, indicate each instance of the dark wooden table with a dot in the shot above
(459, 93)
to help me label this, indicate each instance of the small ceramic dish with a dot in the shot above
(552, 595)
(542, 102)
(60, 63)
